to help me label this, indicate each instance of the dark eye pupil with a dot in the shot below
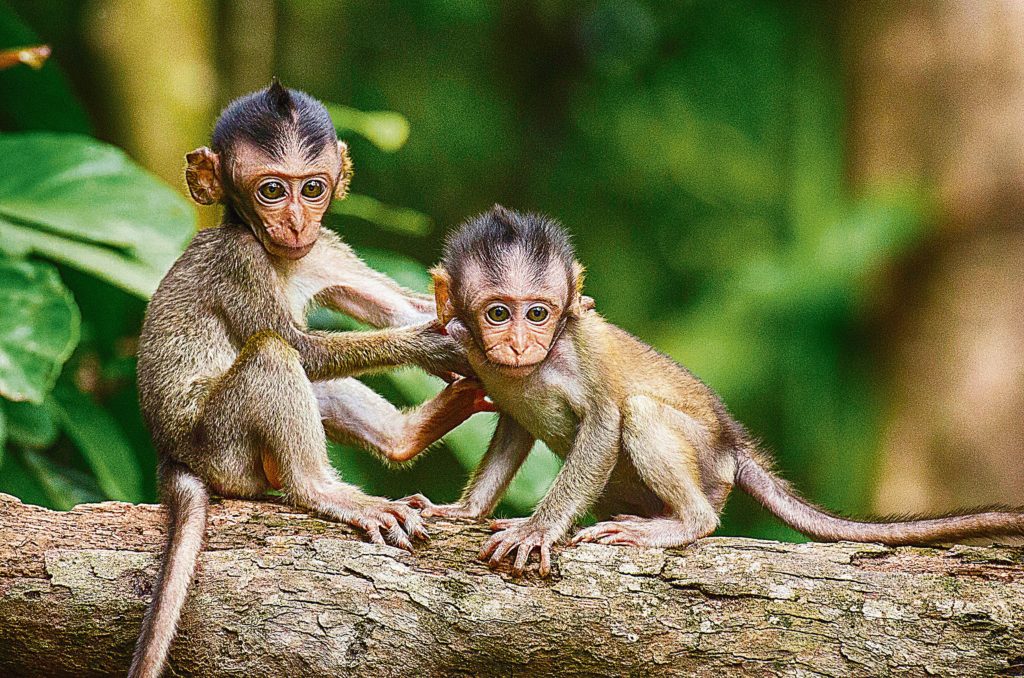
(313, 189)
(498, 313)
(272, 189)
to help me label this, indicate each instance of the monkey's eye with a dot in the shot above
(272, 190)
(313, 188)
(537, 314)
(498, 314)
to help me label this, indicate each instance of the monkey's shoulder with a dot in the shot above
(634, 367)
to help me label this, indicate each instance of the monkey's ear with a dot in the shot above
(203, 176)
(578, 303)
(345, 173)
(442, 285)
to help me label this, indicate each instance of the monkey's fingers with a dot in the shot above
(491, 544)
(522, 556)
(592, 533)
(373, 532)
(409, 519)
(618, 539)
(396, 536)
(417, 501)
(482, 403)
(545, 560)
(505, 523)
(502, 550)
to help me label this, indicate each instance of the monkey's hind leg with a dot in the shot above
(663, 445)
(261, 419)
(353, 413)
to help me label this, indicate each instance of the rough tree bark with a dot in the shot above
(283, 594)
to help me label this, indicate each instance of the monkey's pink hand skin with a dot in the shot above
(429, 509)
(522, 536)
(626, 530)
(389, 522)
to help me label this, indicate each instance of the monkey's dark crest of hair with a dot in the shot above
(499, 233)
(270, 117)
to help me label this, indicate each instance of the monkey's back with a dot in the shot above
(185, 343)
(637, 368)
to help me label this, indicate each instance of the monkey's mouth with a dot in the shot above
(515, 369)
(291, 251)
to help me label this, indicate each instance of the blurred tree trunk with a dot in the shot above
(938, 98)
(157, 58)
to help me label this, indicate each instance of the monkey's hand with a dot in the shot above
(438, 353)
(522, 536)
(429, 509)
(393, 523)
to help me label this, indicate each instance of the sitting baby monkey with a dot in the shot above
(643, 439)
(236, 390)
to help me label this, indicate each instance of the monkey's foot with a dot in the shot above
(429, 509)
(637, 531)
(522, 536)
(389, 522)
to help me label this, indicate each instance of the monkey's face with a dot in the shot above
(283, 199)
(513, 306)
(516, 332)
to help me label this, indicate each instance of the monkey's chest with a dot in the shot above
(540, 407)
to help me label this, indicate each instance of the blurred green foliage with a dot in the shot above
(695, 149)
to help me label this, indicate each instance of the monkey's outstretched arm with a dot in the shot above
(587, 468)
(370, 296)
(353, 413)
(330, 355)
(509, 447)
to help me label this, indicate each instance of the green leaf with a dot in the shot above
(386, 130)
(39, 328)
(64, 487)
(86, 204)
(101, 442)
(17, 479)
(35, 99)
(391, 217)
(30, 425)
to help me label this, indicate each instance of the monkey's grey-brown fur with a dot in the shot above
(646, 444)
(234, 387)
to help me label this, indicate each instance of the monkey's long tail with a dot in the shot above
(187, 501)
(755, 477)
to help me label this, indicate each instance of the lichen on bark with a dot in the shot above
(281, 593)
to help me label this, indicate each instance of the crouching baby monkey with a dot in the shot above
(643, 440)
(235, 389)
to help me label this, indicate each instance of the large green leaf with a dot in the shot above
(29, 425)
(86, 204)
(101, 442)
(64, 487)
(39, 326)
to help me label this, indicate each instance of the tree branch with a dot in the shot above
(280, 593)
